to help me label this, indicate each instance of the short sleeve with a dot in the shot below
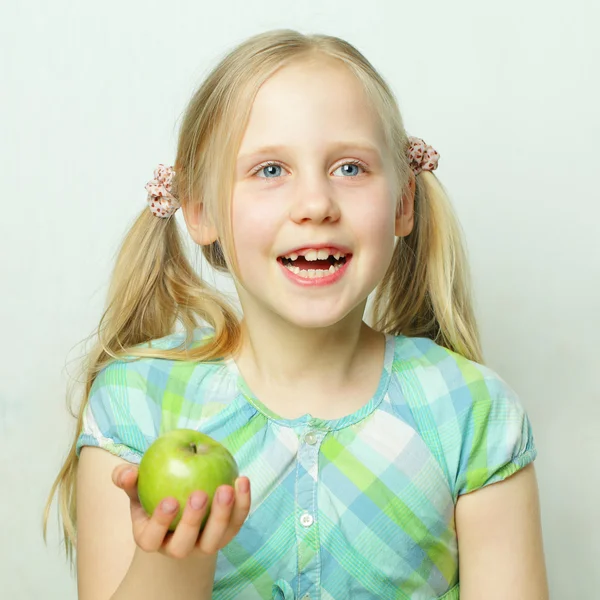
(496, 437)
(118, 416)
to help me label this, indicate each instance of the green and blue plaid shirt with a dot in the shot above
(356, 508)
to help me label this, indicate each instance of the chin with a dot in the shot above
(312, 323)
(315, 319)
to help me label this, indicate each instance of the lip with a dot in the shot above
(320, 281)
(336, 247)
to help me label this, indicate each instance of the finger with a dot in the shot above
(150, 533)
(125, 477)
(241, 508)
(186, 533)
(218, 520)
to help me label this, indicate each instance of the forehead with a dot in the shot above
(311, 102)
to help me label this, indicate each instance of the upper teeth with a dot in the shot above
(313, 255)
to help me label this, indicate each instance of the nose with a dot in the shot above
(314, 201)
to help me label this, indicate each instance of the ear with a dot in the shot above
(405, 208)
(198, 224)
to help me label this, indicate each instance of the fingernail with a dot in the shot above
(243, 486)
(198, 501)
(168, 506)
(225, 495)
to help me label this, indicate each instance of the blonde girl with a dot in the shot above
(379, 457)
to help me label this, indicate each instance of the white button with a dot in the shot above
(310, 438)
(306, 520)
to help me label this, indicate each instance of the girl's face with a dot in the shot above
(314, 205)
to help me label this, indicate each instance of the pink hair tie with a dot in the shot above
(162, 203)
(421, 156)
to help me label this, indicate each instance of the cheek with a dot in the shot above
(375, 218)
(254, 224)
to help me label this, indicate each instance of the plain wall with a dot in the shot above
(91, 97)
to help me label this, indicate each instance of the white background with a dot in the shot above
(508, 92)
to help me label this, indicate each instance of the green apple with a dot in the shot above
(180, 462)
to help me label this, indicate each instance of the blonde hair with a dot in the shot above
(425, 291)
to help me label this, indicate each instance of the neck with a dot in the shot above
(279, 354)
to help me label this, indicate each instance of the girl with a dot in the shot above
(371, 449)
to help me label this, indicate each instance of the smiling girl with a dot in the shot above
(385, 460)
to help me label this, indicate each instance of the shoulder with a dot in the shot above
(469, 416)
(133, 400)
(443, 375)
(161, 378)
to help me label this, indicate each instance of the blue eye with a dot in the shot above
(269, 171)
(273, 170)
(349, 169)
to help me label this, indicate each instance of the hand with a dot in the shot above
(229, 510)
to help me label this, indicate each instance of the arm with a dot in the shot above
(153, 576)
(124, 554)
(500, 541)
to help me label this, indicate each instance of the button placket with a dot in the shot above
(307, 509)
(306, 493)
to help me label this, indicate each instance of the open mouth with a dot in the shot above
(314, 264)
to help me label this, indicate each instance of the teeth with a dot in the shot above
(313, 273)
(312, 255)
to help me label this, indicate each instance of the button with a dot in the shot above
(310, 438)
(307, 597)
(306, 520)
(282, 590)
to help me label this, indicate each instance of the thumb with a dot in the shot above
(125, 477)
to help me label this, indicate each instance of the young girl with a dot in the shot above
(370, 449)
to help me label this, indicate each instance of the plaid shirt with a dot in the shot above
(357, 508)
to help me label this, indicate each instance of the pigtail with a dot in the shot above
(426, 290)
(154, 287)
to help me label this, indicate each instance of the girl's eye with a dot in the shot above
(273, 170)
(269, 171)
(349, 170)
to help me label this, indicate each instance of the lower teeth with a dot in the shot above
(313, 273)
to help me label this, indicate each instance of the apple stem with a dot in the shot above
(199, 448)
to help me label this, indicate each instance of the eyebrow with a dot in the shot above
(342, 146)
